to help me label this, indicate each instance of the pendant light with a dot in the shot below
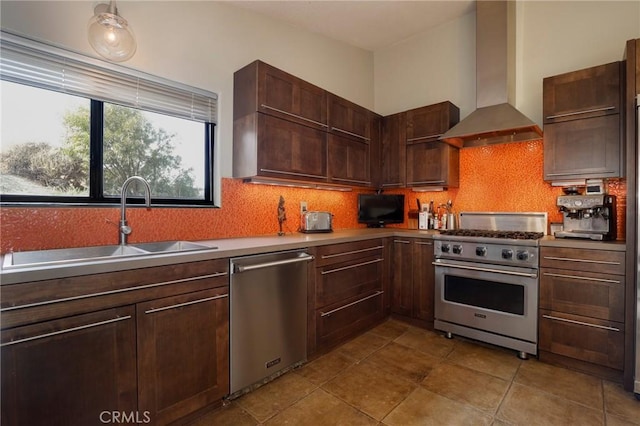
(110, 34)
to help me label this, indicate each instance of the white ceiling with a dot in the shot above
(370, 25)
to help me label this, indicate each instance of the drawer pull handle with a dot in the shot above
(569, 259)
(330, 271)
(424, 137)
(345, 253)
(293, 115)
(179, 305)
(282, 172)
(587, 111)
(603, 327)
(67, 330)
(422, 243)
(376, 294)
(355, 135)
(575, 277)
(402, 241)
(120, 290)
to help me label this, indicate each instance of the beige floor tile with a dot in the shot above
(613, 420)
(529, 406)
(427, 408)
(325, 368)
(404, 362)
(362, 346)
(390, 329)
(621, 403)
(230, 415)
(275, 396)
(319, 409)
(495, 361)
(426, 341)
(577, 387)
(461, 384)
(369, 389)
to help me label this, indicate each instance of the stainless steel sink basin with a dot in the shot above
(25, 259)
(169, 246)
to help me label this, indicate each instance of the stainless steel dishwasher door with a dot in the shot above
(268, 322)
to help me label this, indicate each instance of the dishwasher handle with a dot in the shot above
(304, 257)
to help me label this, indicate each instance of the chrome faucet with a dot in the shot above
(125, 229)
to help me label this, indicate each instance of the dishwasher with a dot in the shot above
(268, 297)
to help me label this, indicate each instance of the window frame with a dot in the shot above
(203, 110)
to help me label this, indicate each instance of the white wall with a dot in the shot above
(202, 44)
(553, 37)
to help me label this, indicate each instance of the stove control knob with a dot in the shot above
(445, 248)
(522, 255)
(457, 249)
(481, 251)
(507, 254)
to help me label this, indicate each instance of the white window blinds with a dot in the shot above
(41, 65)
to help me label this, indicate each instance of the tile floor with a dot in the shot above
(398, 375)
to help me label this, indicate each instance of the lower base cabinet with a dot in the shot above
(159, 355)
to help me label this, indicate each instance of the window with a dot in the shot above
(75, 128)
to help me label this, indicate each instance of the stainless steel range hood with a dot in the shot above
(495, 120)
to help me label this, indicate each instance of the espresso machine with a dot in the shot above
(590, 216)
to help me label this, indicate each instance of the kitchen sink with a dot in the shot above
(169, 246)
(25, 259)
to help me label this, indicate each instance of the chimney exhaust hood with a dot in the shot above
(495, 120)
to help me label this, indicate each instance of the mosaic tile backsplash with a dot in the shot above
(494, 178)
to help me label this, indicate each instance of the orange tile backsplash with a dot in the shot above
(504, 177)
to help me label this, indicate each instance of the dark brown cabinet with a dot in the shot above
(582, 132)
(349, 119)
(151, 342)
(183, 359)
(581, 322)
(412, 280)
(70, 370)
(349, 161)
(412, 155)
(348, 295)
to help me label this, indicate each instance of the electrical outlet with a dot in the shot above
(303, 207)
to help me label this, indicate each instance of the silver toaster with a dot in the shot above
(316, 222)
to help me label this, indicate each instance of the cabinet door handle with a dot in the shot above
(575, 277)
(402, 241)
(366, 182)
(376, 294)
(282, 172)
(586, 111)
(345, 253)
(290, 114)
(392, 184)
(603, 327)
(66, 330)
(120, 290)
(424, 137)
(421, 243)
(331, 271)
(355, 135)
(425, 182)
(569, 259)
(193, 302)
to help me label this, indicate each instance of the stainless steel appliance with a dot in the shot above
(590, 216)
(486, 279)
(316, 222)
(268, 297)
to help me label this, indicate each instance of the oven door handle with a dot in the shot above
(495, 271)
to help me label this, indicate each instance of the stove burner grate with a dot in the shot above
(513, 235)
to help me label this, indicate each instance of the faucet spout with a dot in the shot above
(125, 229)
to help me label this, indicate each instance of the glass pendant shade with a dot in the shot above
(110, 34)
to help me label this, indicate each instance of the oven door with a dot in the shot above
(502, 300)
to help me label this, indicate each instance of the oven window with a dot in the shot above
(485, 294)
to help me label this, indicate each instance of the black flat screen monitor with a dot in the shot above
(377, 210)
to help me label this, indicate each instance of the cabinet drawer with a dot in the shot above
(341, 281)
(583, 293)
(337, 322)
(338, 253)
(595, 341)
(600, 261)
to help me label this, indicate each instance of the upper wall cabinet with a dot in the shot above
(349, 119)
(582, 132)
